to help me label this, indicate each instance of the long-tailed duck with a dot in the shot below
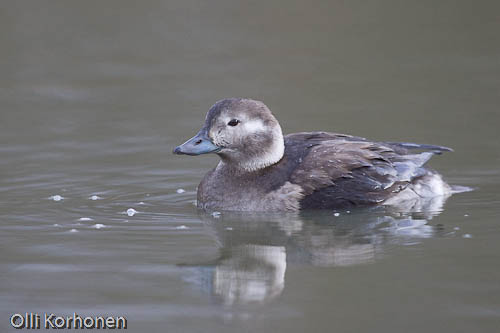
(262, 170)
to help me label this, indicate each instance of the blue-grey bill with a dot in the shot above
(197, 145)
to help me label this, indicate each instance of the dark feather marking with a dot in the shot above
(339, 170)
(408, 145)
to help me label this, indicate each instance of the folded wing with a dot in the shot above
(340, 170)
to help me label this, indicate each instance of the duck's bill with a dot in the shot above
(197, 145)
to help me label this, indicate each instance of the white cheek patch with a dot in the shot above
(253, 126)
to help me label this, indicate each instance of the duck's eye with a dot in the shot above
(233, 122)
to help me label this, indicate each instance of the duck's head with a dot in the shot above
(243, 132)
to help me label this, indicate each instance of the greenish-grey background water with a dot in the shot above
(95, 94)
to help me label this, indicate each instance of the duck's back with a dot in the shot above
(339, 171)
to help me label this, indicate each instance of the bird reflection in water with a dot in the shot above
(256, 248)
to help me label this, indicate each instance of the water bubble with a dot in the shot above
(141, 203)
(216, 214)
(85, 219)
(98, 226)
(181, 227)
(336, 214)
(95, 197)
(131, 212)
(467, 236)
(181, 190)
(73, 230)
(466, 215)
(56, 197)
(229, 228)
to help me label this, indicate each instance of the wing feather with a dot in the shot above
(339, 168)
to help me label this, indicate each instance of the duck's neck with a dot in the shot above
(267, 156)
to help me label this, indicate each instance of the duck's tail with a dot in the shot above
(460, 189)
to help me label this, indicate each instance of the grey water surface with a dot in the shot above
(94, 95)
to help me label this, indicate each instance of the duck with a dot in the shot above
(260, 169)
